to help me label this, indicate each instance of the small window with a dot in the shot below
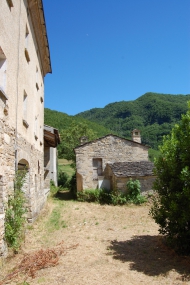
(10, 3)
(27, 44)
(136, 133)
(97, 168)
(37, 79)
(3, 74)
(25, 103)
(36, 128)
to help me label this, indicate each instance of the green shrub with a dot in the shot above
(90, 195)
(172, 186)
(105, 197)
(62, 179)
(14, 214)
(114, 197)
(72, 186)
(118, 199)
(134, 192)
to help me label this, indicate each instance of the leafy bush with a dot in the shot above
(62, 179)
(14, 215)
(134, 192)
(104, 196)
(72, 185)
(118, 199)
(90, 195)
(171, 205)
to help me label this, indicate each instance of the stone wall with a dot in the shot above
(109, 149)
(146, 183)
(34, 184)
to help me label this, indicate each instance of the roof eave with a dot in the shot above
(38, 21)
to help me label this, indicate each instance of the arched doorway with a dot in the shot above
(23, 172)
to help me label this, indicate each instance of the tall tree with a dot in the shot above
(70, 138)
(171, 207)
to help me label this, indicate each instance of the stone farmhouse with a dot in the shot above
(24, 62)
(108, 162)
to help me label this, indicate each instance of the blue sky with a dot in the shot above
(105, 51)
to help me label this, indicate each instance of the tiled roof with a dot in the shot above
(129, 169)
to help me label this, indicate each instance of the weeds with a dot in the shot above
(114, 197)
(14, 215)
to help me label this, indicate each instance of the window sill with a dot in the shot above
(2, 94)
(27, 55)
(25, 123)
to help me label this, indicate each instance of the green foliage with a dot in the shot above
(89, 195)
(72, 185)
(55, 221)
(65, 166)
(14, 215)
(171, 205)
(64, 123)
(154, 114)
(53, 189)
(153, 154)
(70, 138)
(134, 192)
(103, 196)
(62, 179)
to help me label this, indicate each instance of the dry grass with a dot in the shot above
(117, 245)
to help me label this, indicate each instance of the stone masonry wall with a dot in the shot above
(146, 183)
(34, 185)
(110, 149)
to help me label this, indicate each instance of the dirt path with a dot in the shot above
(116, 245)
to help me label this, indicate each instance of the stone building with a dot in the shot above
(119, 173)
(92, 158)
(24, 62)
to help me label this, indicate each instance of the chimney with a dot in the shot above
(136, 136)
(83, 140)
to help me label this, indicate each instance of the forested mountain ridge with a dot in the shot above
(153, 113)
(62, 121)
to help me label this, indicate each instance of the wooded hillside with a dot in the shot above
(62, 121)
(154, 114)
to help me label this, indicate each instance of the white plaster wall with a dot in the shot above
(21, 75)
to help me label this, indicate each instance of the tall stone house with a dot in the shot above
(110, 161)
(24, 62)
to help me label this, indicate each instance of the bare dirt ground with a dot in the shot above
(116, 245)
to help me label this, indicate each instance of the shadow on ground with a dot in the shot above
(149, 255)
(64, 195)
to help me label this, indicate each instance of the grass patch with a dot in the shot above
(65, 166)
(55, 222)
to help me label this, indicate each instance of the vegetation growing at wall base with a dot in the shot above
(114, 197)
(14, 215)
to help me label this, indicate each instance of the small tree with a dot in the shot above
(70, 138)
(171, 206)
